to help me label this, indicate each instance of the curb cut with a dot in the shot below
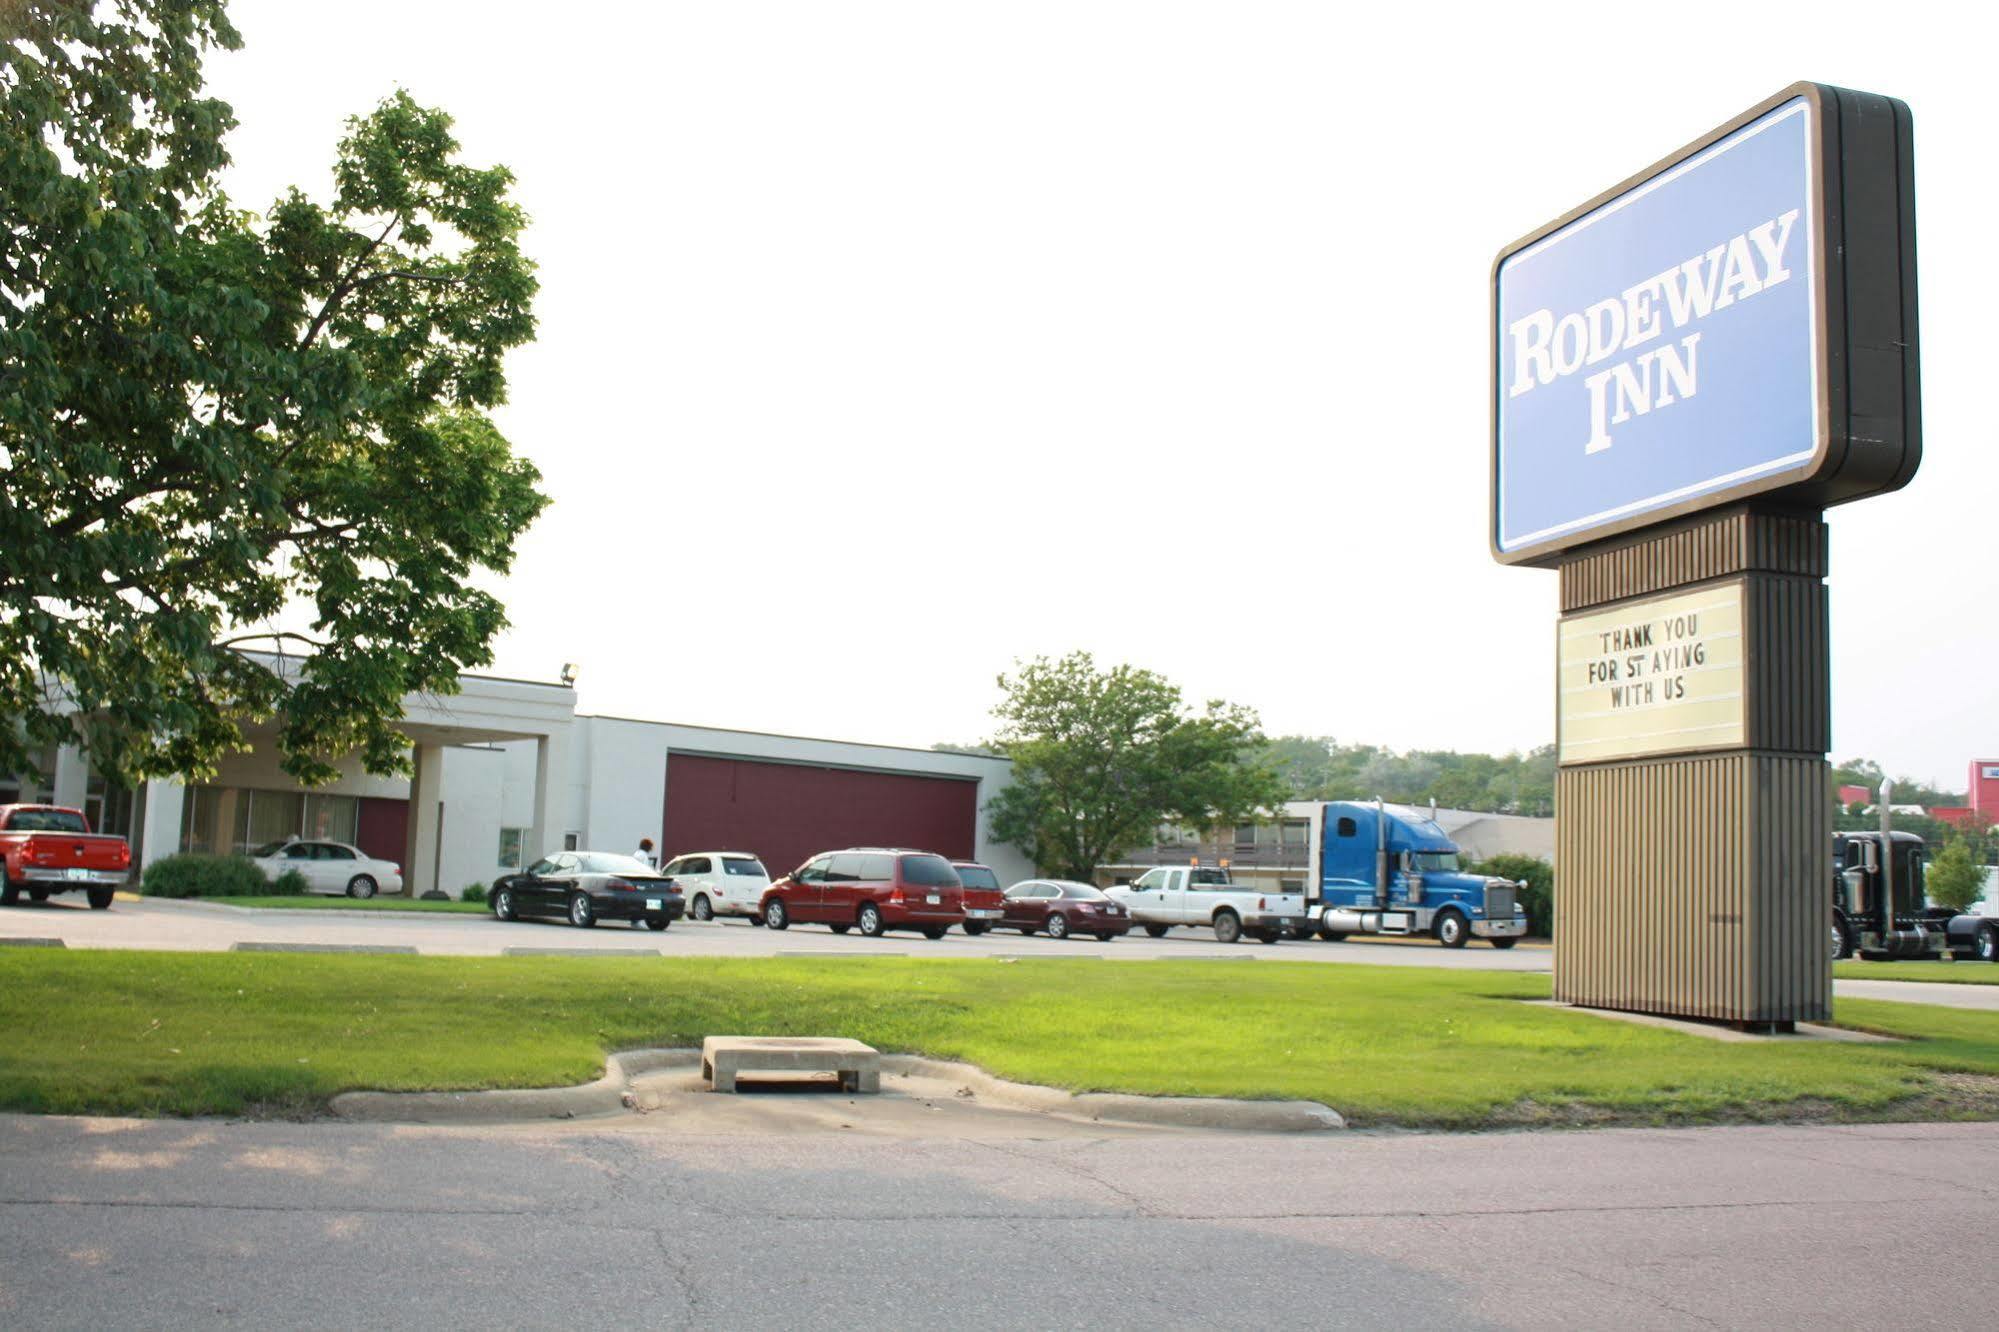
(611, 1095)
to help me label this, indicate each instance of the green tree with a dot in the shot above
(1102, 758)
(1955, 879)
(214, 424)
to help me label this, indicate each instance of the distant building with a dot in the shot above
(1849, 796)
(1277, 855)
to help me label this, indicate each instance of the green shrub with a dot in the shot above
(1539, 894)
(290, 884)
(191, 875)
(474, 892)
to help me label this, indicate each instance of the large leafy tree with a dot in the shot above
(245, 471)
(1102, 758)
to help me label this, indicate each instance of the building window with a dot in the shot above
(1294, 832)
(569, 841)
(234, 820)
(511, 840)
(1245, 834)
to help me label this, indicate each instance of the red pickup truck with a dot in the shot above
(48, 849)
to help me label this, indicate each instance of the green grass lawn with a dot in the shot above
(199, 1033)
(1958, 973)
(324, 902)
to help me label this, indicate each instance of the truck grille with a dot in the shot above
(1498, 901)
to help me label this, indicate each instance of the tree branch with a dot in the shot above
(345, 286)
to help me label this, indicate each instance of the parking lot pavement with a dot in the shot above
(636, 1222)
(211, 926)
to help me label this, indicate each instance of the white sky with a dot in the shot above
(883, 344)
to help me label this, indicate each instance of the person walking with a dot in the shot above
(645, 853)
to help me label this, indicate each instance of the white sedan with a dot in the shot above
(330, 867)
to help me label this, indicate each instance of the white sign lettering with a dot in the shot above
(1547, 348)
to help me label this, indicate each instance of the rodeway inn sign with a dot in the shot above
(1732, 321)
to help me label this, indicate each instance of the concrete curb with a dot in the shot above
(1211, 1112)
(605, 1096)
(611, 1095)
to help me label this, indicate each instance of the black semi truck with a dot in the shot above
(1879, 910)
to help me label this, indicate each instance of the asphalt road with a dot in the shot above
(210, 926)
(213, 927)
(120, 1223)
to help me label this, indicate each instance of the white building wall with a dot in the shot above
(469, 835)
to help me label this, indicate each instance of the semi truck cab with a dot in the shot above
(1386, 869)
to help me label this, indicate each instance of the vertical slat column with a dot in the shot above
(1698, 884)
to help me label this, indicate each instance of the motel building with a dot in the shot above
(506, 771)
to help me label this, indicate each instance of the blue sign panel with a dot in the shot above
(1665, 345)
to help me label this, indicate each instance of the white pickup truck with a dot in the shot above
(1195, 895)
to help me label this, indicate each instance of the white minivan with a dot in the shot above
(719, 883)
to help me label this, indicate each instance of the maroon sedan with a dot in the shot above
(1062, 907)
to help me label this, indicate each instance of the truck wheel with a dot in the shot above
(1451, 930)
(1228, 927)
(1156, 931)
(1988, 944)
(1331, 936)
(100, 898)
(10, 893)
(1300, 933)
(975, 928)
(38, 894)
(870, 921)
(1502, 943)
(1842, 943)
(934, 931)
(1269, 936)
(1058, 926)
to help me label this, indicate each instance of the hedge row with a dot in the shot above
(192, 875)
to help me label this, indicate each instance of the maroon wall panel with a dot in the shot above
(383, 828)
(786, 812)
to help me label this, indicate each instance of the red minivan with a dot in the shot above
(871, 889)
(984, 902)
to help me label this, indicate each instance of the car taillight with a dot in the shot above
(895, 897)
(619, 884)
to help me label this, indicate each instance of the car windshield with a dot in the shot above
(46, 820)
(1436, 862)
(268, 849)
(977, 876)
(748, 865)
(1081, 890)
(596, 862)
(929, 872)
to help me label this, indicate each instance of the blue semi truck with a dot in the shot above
(1387, 869)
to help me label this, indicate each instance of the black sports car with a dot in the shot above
(589, 886)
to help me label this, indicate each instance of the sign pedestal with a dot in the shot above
(1693, 844)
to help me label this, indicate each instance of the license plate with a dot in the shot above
(79, 874)
(652, 904)
(932, 899)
